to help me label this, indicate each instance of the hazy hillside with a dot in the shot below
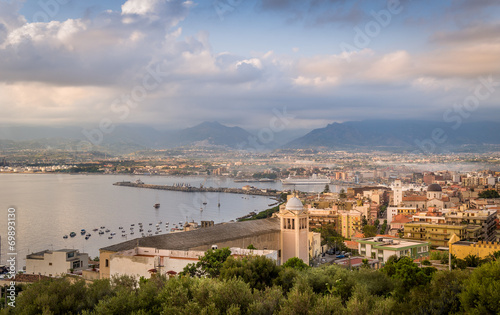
(405, 134)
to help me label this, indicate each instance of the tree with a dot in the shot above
(342, 194)
(330, 237)
(489, 194)
(364, 221)
(295, 263)
(384, 227)
(369, 230)
(376, 223)
(406, 271)
(480, 294)
(472, 260)
(327, 189)
(257, 271)
(365, 263)
(251, 247)
(208, 265)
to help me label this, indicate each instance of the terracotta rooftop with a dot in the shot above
(22, 277)
(351, 244)
(204, 236)
(401, 218)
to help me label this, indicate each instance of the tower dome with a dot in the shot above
(434, 187)
(294, 204)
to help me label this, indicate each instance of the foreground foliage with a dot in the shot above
(256, 285)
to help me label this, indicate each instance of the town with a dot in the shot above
(381, 212)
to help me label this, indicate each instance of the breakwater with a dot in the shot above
(251, 191)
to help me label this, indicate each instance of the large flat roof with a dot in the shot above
(203, 236)
(391, 243)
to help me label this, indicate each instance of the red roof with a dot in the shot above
(401, 218)
(351, 244)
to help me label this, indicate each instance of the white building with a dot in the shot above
(382, 248)
(57, 262)
(144, 261)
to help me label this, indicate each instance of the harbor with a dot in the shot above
(187, 188)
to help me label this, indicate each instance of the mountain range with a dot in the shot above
(412, 135)
(391, 135)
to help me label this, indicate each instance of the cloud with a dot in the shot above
(318, 12)
(472, 34)
(71, 70)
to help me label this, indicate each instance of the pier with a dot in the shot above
(253, 191)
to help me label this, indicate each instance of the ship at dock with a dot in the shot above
(313, 180)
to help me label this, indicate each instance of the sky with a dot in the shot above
(174, 64)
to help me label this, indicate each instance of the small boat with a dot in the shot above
(131, 233)
(95, 230)
(87, 237)
(141, 230)
(107, 231)
(150, 223)
(205, 203)
(156, 232)
(157, 225)
(132, 228)
(149, 231)
(101, 232)
(103, 227)
(160, 222)
(72, 234)
(88, 234)
(65, 236)
(110, 237)
(156, 206)
(218, 205)
(112, 234)
(120, 228)
(132, 224)
(82, 231)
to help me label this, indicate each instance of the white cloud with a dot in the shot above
(75, 68)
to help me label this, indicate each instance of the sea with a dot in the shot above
(49, 206)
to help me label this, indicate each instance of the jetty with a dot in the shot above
(186, 188)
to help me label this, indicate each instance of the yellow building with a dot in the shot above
(462, 249)
(350, 223)
(436, 234)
